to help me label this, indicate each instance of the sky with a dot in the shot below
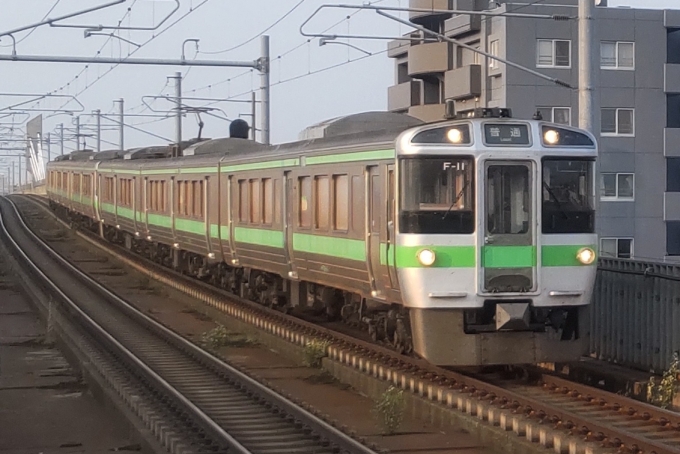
(310, 83)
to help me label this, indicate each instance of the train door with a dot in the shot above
(146, 199)
(288, 202)
(390, 249)
(97, 190)
(233, 198)
(509, 249)
(115, 198)
(374, 228)
(173, 208)
(207, 215)
(135, 204)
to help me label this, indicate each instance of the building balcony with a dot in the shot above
(462, 24)
(671, 82)
(463, 83)
(418, 17)
(429, 58)
(671, 206)
(401, 97)
(671, 18)
(397, 48)
(428, 113)
(671, 142)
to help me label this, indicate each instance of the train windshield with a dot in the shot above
(437, 195)
(568, 196)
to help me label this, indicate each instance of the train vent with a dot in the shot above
(149, 153)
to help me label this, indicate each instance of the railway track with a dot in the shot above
(557, 414)
(207, 405)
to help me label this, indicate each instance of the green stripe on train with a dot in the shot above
(509, 256)
(351, 157)
(343, 248)
(445, 256)
(563, 255)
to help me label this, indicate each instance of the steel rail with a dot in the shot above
(495, 395)
(102, 333)
(316, 424)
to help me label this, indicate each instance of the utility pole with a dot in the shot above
(49, 147)
(78, 133)
(121, 122)
(266, 89)
(178, 107)
(20, 191)
(98, 113)
(14, 177)
(588, 52)
(61, 137)
(254, 116)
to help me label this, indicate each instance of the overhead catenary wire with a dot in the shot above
(25, 37)
(250, 40)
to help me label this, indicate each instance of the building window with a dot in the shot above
(617, 248)
(559, 115)
(673, 174)
(618, 122)
(494, 49)
(554, 53)
(673, 238)
(617, 55)
(617, 186)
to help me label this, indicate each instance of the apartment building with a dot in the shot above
(639, 95)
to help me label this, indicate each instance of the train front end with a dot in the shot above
(495, 240)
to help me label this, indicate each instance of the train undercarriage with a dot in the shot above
(385, 324)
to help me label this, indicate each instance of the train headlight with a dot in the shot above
(551, 137)
(426, 257)
(455, 135)
(586, 256)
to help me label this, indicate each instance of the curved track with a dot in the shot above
(557, 413)
(233, 411)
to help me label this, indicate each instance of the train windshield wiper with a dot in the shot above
(460, 194)
(557, 202)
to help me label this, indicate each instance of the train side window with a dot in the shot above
(305, 203)
(321, 200)
(243, 200)
(268, 201)
(255, 201)
(341, 202)
(375, 204)
(277, 201)
(164, 196)
(358, 203)
(198, 199)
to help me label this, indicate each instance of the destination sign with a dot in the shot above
(506, 134)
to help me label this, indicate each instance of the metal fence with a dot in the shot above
(635, 317)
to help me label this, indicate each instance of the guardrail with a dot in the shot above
(635, 317)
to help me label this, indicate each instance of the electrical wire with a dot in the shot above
(113, 67)
(250, 40)
(24, 38)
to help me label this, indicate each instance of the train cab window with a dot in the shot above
(305, 203)
(268, 201)
(341, 202)
(568, 196)
(321, 200)
(243, 200)
(437, 195)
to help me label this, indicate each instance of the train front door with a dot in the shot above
(509, 249)
(376, 232)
